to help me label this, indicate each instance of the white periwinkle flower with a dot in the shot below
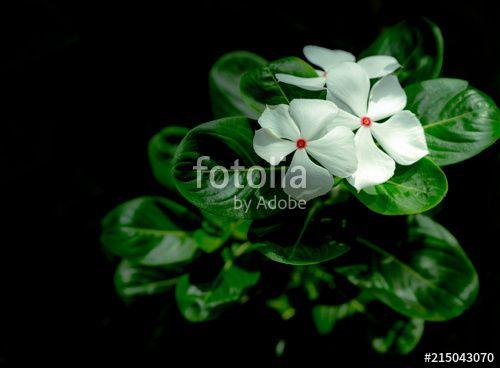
(401, 136)
(303, 127)
(374, 66)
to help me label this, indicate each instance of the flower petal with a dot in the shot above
(306, 180)
(311, 84)
(340, 104)
(345, 119)
(326, 58)
(374, 166)
(344, 116)
(312, 116)
(277, 119)
(270, 147)
(335, 151)
(402, 137)
(349, 83)
(379, 66)
(386, 98)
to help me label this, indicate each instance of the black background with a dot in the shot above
(84, 88)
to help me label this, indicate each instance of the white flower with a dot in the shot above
(302, 127)
(401, 136)
(375, 66)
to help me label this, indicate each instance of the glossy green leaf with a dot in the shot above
(428, 277)
(417, 45)
(259, 87)
(133, 281)
(161, 151)
(225, 78)
(459, 121)
(204, 302)
(413, 189)
(403, 336)
(221, 143)
(301, 237)
(151, 231)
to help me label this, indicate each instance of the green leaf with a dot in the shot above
(301, 237)
(325, 316)
(222, 142)
(402, 337)
(259, 87)
(417, 45)
(413, 189)
(428, 277)
(280, 348)
(225, 78)
(161, 150)
(282, 305)
(312, 279)
(151, 231)
(132, 281)
(204, 302)
(216, 231)
(459, 121)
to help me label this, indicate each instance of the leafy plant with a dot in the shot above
(418, 269)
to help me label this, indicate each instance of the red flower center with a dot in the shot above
(301, 143)
(366, 121)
